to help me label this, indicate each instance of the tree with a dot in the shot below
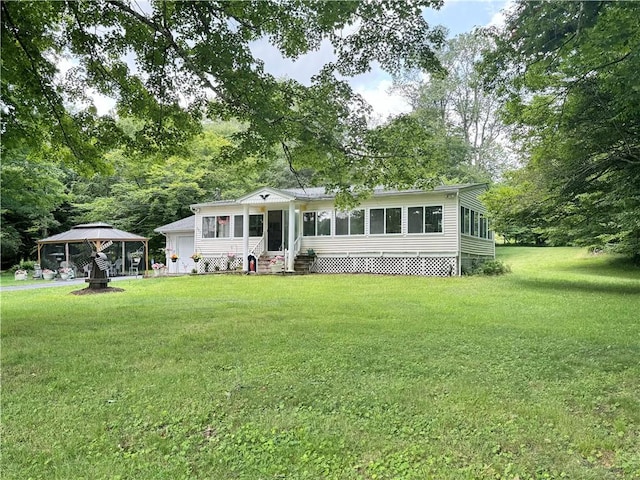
(142, 194)
(568, 74)
(194, 60)
(459, 99)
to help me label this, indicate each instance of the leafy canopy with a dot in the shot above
(169, 64)
(568, 74)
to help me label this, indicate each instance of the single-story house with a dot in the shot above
(402, 232)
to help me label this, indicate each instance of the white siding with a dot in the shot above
(477, 246)
(444, 243)
(213, 247)
(472, 245)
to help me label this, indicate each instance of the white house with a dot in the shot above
(402, 232)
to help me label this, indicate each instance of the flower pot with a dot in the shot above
(20, 276)
(48, 275)
(174, 260)
(196, 260)
(64, 276)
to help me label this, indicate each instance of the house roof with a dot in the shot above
(93, 232)
(273, 195)
(182, 225)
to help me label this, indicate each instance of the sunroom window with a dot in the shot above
(350, 223)
(385, 220)
(255, 226)
(424, 219)
(316, 223)
(216, 227)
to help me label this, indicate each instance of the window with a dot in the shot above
(385, 220)
(350, 223)
(309, 224)
(216, 227)
(255, 226)
(465, 215)
(324, 223)
(316, 223)
(424, 219)
(433, 219)
(376, 220)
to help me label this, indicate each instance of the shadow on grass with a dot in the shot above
(613, 267)
(627, 288)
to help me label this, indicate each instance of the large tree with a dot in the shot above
(568, 72)
(171, 63)
(458, 97)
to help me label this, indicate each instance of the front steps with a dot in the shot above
(301, 265)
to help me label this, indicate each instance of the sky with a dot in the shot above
(458, 16)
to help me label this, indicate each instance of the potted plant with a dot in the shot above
(196, 257)
(159, 269)
(135, 258)
(276, 264)
(48, 274)
(174, 257)
(231, 256)
(20, 274)
(66, 273)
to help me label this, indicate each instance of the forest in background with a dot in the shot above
(546, 110)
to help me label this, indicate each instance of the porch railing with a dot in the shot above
(258, 249)
(296, 246)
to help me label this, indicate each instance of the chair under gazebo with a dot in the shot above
(124, 255)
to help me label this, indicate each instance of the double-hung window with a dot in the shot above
(316, 223)
(385, 220)
(216, 226)
(255, 226)
(350, 223)
(424, 219)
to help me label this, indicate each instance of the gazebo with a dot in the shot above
(68, 246)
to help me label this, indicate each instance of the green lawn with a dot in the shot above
(535, 374)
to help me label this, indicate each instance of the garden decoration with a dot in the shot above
(99, 265)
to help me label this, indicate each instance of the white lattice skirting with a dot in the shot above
(212, 264)
(425, 266)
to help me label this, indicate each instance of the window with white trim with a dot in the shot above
(350, 223)
(316, 223)
(216, 226)
(255, 226)
(424, 219)
(385, 220)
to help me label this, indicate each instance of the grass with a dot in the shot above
(532, 375)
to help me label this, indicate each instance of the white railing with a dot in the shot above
(296, 246)
(258, 249)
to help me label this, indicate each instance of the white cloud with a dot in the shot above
(384, 104)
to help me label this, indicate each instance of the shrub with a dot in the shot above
(486, 267)
(28, 265)
(492, 267)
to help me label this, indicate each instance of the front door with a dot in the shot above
(274, 230)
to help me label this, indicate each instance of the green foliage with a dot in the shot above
(568, 72)
(528, 375)
(27, 265)
(490, 268)
(194, 59)
(457, 108)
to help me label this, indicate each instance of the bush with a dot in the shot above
(24, 265)
(487, 267)
(493, 267)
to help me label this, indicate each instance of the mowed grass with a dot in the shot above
(532, 375)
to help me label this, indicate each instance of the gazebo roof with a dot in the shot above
(93, 232)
